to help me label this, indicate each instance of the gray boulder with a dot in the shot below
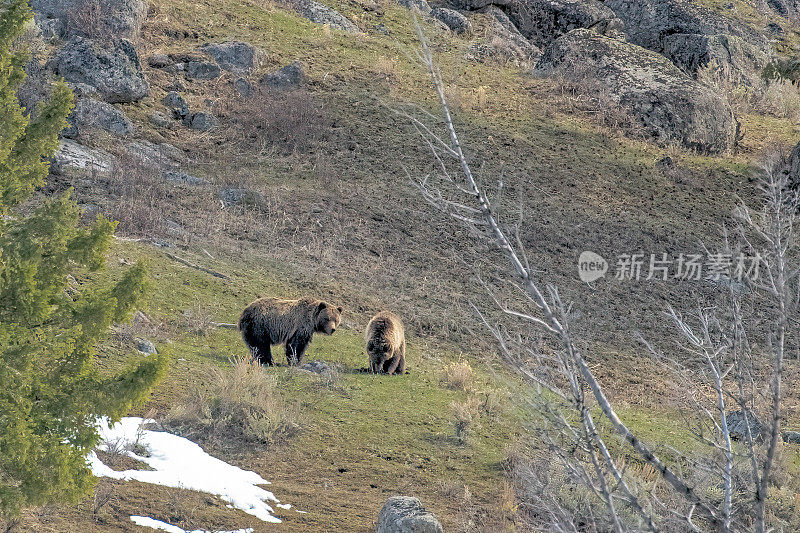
(234, 56)
(159, 61)
(649, 22)
(451, 18)
(243, 87)
(76, 161)
(90, 114)
(240, 196)
(151, 155)
(791, 437)
(113, 70)
(742, 61)
(738, 421)
(317, 367)
(160, 120)
(146, 346)
(177, 104)
(288, 77)
(504, 42)
(404, 514)
(182, 178)
(543, 21)
(322, 14)
(421, 5)
(202, 70)
(121, 18)
(36, 86)
(669, 104)
(203, 121)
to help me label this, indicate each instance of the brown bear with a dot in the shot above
(386, 344)
(270, 321)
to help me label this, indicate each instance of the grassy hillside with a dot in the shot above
(338, 219)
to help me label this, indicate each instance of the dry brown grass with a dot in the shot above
(458, 375)
(465, 415)
(235, 405)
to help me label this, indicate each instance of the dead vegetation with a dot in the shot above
(234, 406)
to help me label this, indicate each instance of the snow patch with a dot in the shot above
(180, 463)
(146, 521)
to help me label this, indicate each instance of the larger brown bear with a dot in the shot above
(386, 344)
(270, 321)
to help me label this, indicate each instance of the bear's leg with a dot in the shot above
(395, 361)
(401, 368)
(264, 354)
(296, 349)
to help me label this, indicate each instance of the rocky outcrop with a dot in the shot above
(113, 70)
(73, 160)
(543, 21)
(93, 115)
(504, 42)
(404, 514)
(690, 34)
(322, 14)
(738, 422)
(742, 61)
(202, 70)
(120, 18)
(421, 5)
(157, 156)
(234, 56)
(669, 104)
(288, 77)
(451, 18)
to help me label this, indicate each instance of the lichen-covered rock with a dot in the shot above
(73, 160)
(738, 422)
(742, 61)
(177, 104)
(113, 70)
(404, 514)
(203, 121)
(90, 114)
(243, 87)
(288, 77)
(120, 18)
(668, 103)
(649, 22)
(322, 14)
(543, 21)
(152, 155)
(202, 70)
(504, 42)
(234, 56)
(451, 18)
(421, 5)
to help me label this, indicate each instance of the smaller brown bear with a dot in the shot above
(386, 344)
(270, 321)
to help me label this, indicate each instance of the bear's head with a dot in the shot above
(327, 318)
(378, 349)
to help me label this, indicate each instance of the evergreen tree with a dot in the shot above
(51, 392)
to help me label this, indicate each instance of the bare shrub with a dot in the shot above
(494, 402)
(138, 197)
(198, 320)
(284, 121)
(103, 492)
(458, 375)
(239, 404)
(777, 97)
(719, 485)
(465, 415)
(88, 18)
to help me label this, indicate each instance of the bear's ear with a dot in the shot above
(339, 308)
(320, 307)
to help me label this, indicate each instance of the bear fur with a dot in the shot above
(386, 344)
(270, 321)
